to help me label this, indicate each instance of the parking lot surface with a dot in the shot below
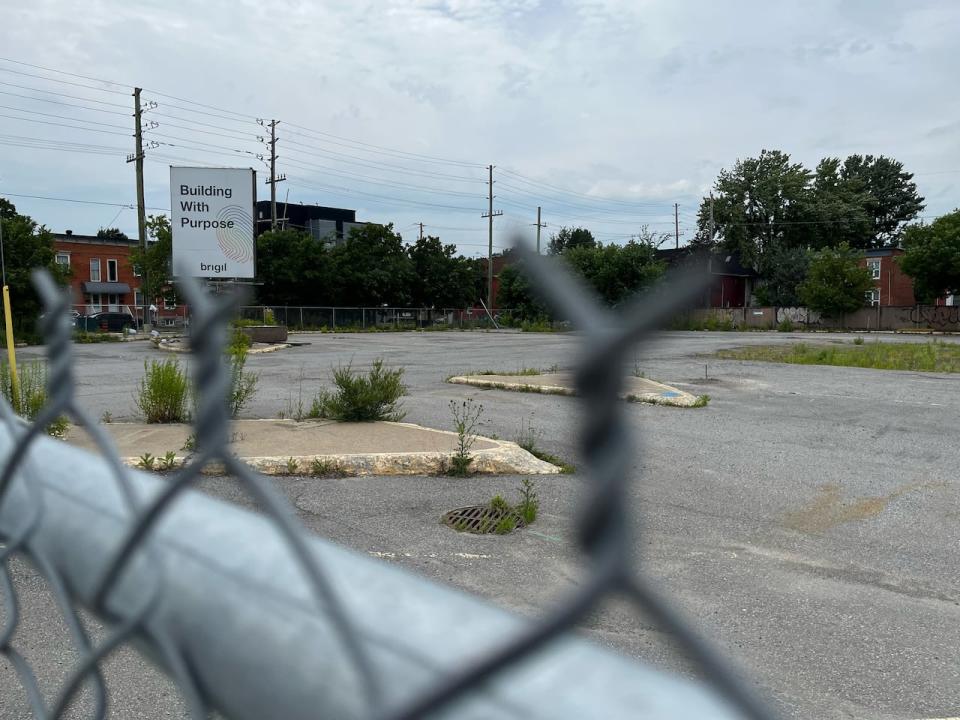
(808, 518)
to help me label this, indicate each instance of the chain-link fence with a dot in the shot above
(306, 317)
(254, 618)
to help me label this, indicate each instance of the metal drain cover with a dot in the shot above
(483, 519)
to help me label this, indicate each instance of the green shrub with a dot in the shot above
(83, 337)
(243, 385)
(785, 325)
(163, 393)
(498, 502)
(363, 398)
(32, 393)
(858, 341)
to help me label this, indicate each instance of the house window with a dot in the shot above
(63, 259)
(93, 304)
(874, 267)
(112, 271)
(169, 303)
(872, 296)
(138, 297)
(94, 269)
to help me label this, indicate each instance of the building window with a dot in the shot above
(112, 271)
(872, 296)
(93, 304)
(169, 303)
(138, 297)
(63, 259)
(94, 269)
(874, 267)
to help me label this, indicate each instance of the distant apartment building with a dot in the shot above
(102, 276)
(891, 286)
(328, 224)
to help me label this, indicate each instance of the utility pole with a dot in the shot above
(539, 225)
(711, 218)
(421, 231)
(137, 160)
(490, 214)
(676, 222)
(273, 179)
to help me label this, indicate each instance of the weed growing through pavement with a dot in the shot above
(147, 461)
(858, 341)
(32, 393)
(169, 461)
(363, 398)
(528, 437)
(325, 468)
(107, 417)
(529, 504)
(163, 392)
(466, 417)
(292, 466)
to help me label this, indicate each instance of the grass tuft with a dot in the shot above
(363, 398)
(163, 393)
(934, 356)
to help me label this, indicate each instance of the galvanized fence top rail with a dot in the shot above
(253, 617)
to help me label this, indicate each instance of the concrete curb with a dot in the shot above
(666, 395)
(507, 458)
(168, 347)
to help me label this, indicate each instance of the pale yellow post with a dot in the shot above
(11, 353)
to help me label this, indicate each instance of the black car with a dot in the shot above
(109, 321)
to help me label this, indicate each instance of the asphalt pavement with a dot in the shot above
(808, 518)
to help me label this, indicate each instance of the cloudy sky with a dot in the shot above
(605, 112)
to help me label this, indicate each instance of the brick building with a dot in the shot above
(102, 275)
(891, 285)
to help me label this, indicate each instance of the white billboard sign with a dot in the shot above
(212, 221)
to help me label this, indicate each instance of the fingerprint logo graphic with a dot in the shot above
(236, 242)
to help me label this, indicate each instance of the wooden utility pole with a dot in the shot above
(273, 179)
(539, 225)
(137, 160)
(421, 231)
(676, 222)
(490, 214)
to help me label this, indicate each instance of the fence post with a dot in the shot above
(363, 318)
(333, 313)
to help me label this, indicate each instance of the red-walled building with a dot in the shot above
(102, 274)
(891, 285)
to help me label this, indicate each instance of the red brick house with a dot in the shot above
(102, 275)
(891, 285)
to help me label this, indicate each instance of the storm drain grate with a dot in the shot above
(483, 519)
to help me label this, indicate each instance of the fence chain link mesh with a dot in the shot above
(606, 528)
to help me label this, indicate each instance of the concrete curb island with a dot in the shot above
(316, 447)
(638, 389)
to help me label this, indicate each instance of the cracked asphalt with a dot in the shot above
(808, 519)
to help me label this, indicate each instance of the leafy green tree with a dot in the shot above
(840, 210)
(616, 272)
(371, 268)
(932, 257)
(788, 269)
(891, 197)
(112, 234)
(154, 265)
(568, 238)
(293, 267)
(440, 277)
(836, 283)
(516, 293)
(759, 208)
(26, 245)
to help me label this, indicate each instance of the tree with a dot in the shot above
(760, 207)
(155, 265)
(932, 257)
(891, 197)
(440, 278)
(567, 238)
(836, 283)
(788, 269)
(112, 234)
(616, 272)
(371, 268)
(26, 245)
(293, 267)
(517, 293)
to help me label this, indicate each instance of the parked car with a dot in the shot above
(109, 321)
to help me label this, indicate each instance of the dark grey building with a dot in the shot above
(331, 225)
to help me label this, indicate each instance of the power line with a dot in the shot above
(348, 192)
(72, 119)
(367, 178)
(66, 95)
(64, 82)
(58, 102)
(129, 206)
(75, 127)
